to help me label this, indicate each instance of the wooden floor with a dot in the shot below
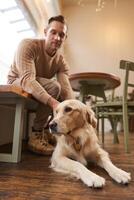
(32, 179)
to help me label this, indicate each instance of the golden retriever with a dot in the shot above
(77, 143)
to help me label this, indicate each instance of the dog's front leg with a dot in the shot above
(119, 175)
(78, 170)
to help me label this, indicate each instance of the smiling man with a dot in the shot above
(41, 70)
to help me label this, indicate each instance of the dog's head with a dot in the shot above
(70, 115)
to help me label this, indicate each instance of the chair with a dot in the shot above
(99, 108)
(119, 108)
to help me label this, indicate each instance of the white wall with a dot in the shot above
(98, 40)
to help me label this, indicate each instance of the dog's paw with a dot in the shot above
(93, 180)
(120, 176)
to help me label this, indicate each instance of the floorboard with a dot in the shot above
(32, 179)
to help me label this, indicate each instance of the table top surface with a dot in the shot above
(107, 80)
(13, 89)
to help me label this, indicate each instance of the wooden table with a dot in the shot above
(15, 97)
(93, 83)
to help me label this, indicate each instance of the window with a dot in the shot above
(14, 27)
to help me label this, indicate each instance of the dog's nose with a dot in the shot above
(53, 126)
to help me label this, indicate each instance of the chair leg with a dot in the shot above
(111, 120)
(102, 124)
(98, 126)
(125, 111)
(116, 139)
(98, 121)
(126, 129)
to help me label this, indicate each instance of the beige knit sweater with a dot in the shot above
(31, 61)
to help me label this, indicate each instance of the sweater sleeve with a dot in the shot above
(63, 79)
(25, 56)
(66, 90)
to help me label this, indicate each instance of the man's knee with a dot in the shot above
(51, 86)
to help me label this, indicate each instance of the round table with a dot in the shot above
(94, 83)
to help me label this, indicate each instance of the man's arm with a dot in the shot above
(53, 103)
(66, 89)
(63, 79)
(24, 60)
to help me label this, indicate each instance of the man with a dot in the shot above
(36, 63)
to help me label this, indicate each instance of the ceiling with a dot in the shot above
(65, 3)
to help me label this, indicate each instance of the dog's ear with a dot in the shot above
(90, 116)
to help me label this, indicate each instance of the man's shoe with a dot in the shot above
(50, 137)
(38, 143)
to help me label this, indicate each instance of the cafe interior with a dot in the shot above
(99, 52)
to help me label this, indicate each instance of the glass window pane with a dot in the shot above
(22, 25)
(14, 14)
(7, 3)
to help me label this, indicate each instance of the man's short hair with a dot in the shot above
(58, 18)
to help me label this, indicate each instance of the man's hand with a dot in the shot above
(53, 103)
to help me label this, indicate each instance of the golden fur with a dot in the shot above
(74, 125)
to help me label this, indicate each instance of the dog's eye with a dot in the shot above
(68, 109)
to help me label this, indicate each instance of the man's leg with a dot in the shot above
(43, 111)
(39, 140)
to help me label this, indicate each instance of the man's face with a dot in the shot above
(55, 35)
